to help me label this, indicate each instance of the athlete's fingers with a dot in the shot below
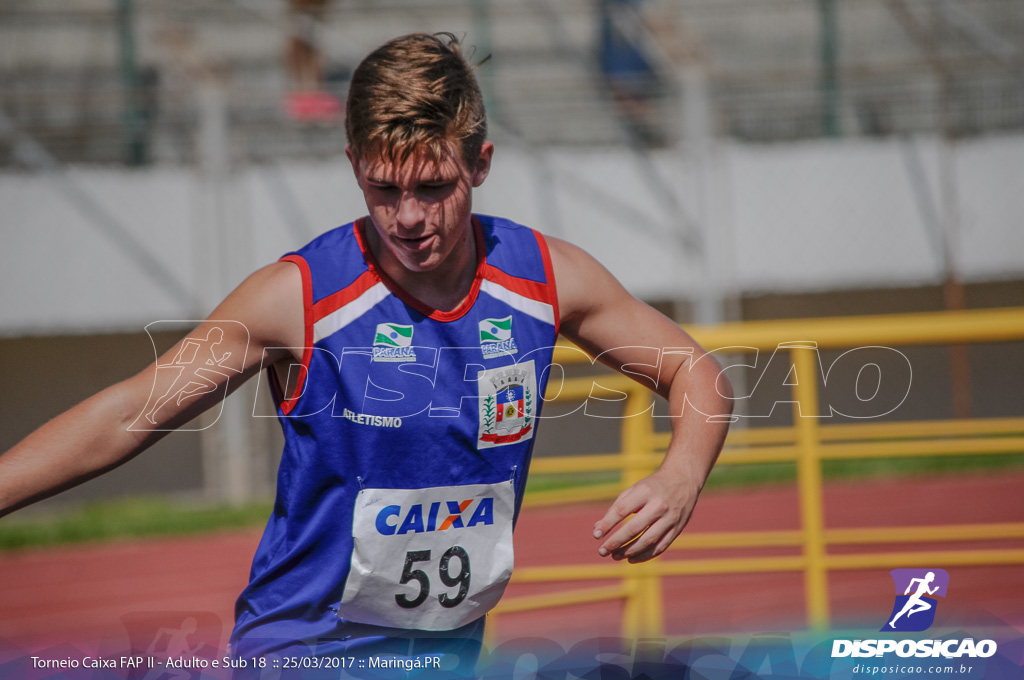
(625, 504)
(630, 530)
(661, 508)
(647, 554)
(648, 540)
(654, 542)
(623, 535)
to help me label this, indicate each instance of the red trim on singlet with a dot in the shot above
(307, 312)
(401, 294)
(535, 290)
(549, 275)
(336, 301)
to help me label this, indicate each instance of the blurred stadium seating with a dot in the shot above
(777, 70)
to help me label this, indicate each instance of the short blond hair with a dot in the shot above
(416, 92)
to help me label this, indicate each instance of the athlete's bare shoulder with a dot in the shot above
(271, 306)
(585, 287)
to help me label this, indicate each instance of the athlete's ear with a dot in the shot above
(358, 168)
(354, 161)
(483, 164)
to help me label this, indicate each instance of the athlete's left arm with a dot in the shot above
(600, 316)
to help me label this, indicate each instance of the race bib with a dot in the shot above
(429, 559)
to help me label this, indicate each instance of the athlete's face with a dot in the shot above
(421, 209)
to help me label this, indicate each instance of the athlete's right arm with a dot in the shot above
(94, 436)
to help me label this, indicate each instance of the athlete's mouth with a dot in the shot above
(415, 242)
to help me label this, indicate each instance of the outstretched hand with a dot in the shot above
(660, 506)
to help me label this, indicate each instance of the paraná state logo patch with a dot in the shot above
(496, 338)
(393, 342)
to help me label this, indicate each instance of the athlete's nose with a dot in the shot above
(410, 211)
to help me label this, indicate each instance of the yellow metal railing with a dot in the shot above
(807, 443)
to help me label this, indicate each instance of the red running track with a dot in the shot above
(89, 596)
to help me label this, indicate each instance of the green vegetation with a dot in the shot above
(739, 476)
(128, 518)
(556, 482)
(148, 517)
(731, 476)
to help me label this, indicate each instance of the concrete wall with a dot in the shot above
(805, 217)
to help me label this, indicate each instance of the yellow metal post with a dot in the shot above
(636, 433)
(642, 616)
(808, 444)
(651, 623)
(490, 632)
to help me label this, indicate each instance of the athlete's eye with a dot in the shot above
(438, 189)
(383, 188)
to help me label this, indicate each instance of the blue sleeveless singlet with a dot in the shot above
(407, 441)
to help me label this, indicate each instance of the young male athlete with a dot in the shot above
(423, 333)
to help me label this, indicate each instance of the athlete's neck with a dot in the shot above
(444, 287)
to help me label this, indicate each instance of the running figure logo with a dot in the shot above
(199, 367)
(914, 610)
(172, 644)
